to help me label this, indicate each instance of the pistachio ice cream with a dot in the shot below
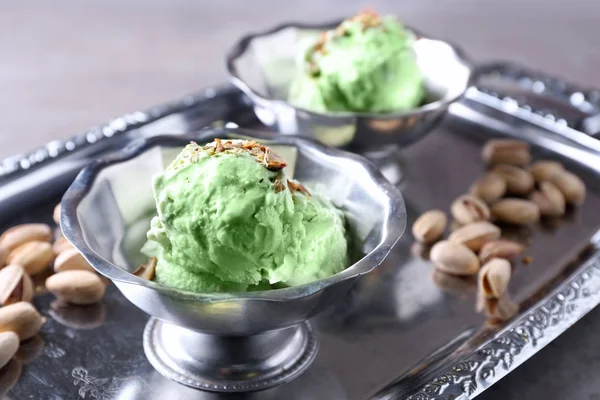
(366, 64)
(229, 220)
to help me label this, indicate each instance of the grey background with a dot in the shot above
(66, 65)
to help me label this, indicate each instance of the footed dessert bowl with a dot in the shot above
(227, 341)
(264, 65)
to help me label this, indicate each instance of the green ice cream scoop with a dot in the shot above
(367, 64)
(324, 248)
(229, 220)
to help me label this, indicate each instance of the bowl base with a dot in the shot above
(229, 363)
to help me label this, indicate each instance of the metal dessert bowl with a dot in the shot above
(226, 341)
(263, 65)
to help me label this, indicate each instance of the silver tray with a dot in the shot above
(397, 334)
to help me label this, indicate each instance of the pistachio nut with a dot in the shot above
(489, 188)
(9, 344)
(500, 248)
(21, 318)
(430, 226)
(89, 317)
(71, 259)
(146, 271)
(33, 256)
(3, 256)
(475, 235)
(571, 186)
(454, 258)
(493, 278)
(56, 214)
(76, 287)
(15, 285)
(518, 181)
(549, 199)
(497, 310)
(516, 211)
(506, 151)
(468, 208)
(20, 234)
(61, 244)
(545, 170)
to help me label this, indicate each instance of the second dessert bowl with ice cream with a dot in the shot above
(251, 240)
(365, 82)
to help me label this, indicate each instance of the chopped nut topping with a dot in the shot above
(256, 152)
(279, 186)
(146, 271)
(367, 18)
(273, 161)
(321, 43)
(219, 146)
(263, 154)
(297, 187)
(249, 145)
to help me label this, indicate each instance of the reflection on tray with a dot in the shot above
(395, 294)
(78, 317)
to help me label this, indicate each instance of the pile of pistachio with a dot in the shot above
(512, 192)
(27, 251)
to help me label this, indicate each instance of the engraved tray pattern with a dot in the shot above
(519, 341)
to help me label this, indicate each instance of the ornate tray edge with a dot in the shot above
(57, 148)
(521, 339)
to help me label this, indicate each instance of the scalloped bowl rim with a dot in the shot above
(83, 183)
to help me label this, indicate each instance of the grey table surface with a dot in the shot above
(67, 65)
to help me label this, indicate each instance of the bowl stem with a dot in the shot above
(229, 363)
